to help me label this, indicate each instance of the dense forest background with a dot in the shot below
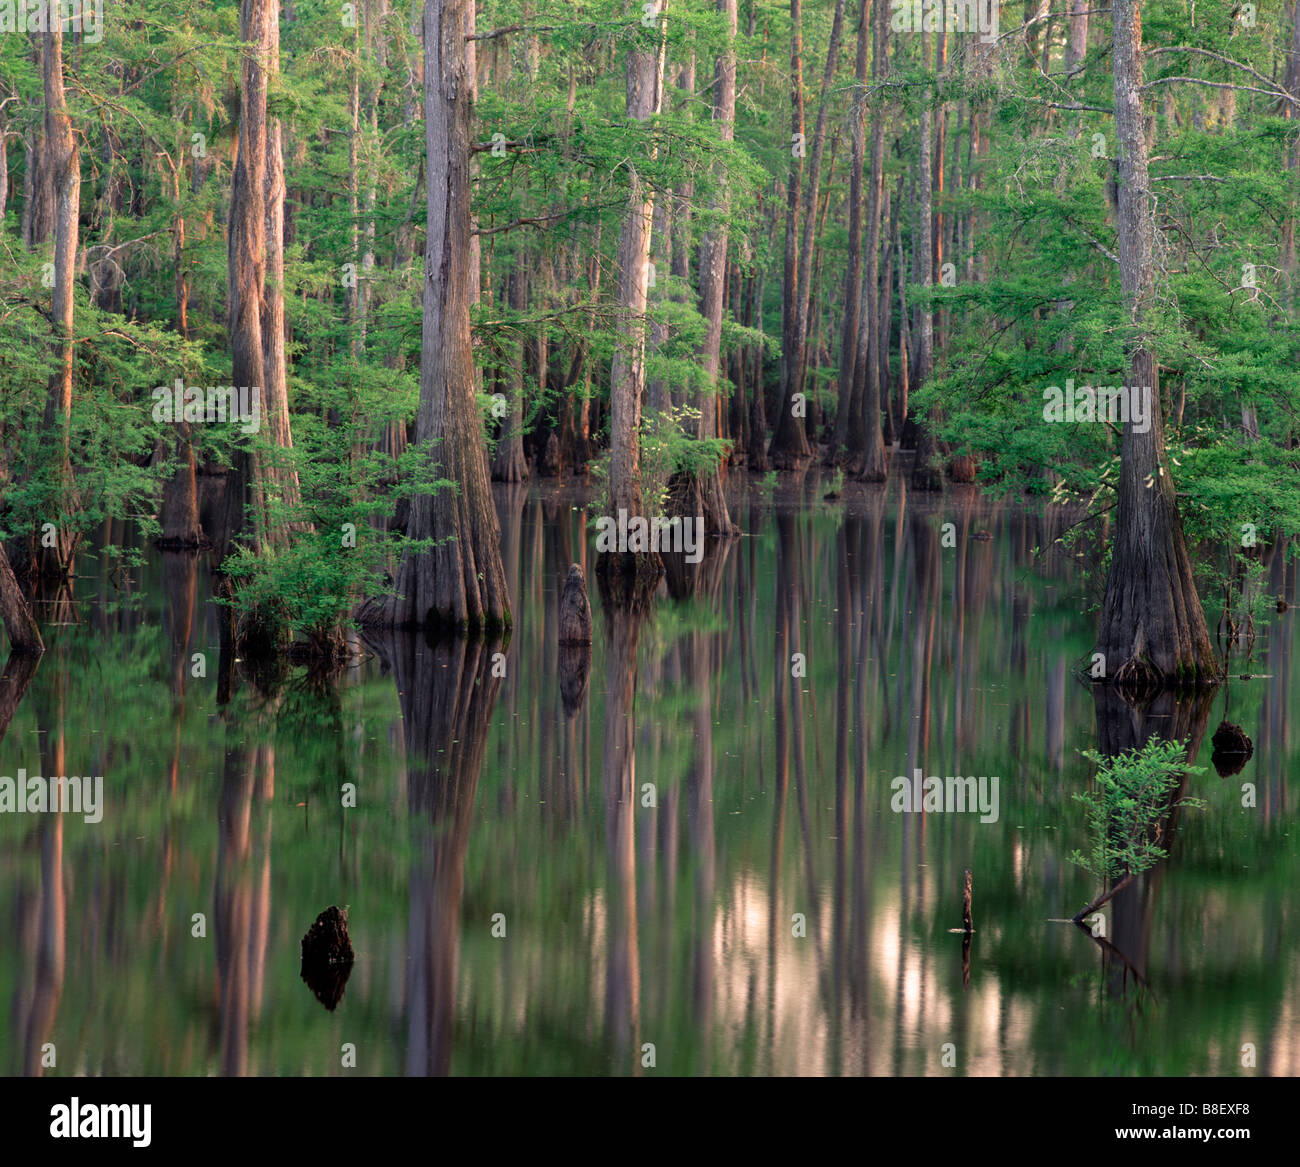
(701, 239)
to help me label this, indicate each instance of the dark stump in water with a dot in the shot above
(327, 956)
(575, 640)
(1232, 749)
(575, 611)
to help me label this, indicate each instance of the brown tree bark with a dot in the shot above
(790, 446)
(850, 340)
(16, 614)
(707, 486)
(508, 461)
(644, 72)
(61, 166)
(259, 478)
(926, 473)
(867, 447)
(180, 507)
(1152, 626)
(459, 583)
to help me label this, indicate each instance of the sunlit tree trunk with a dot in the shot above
(61, 162)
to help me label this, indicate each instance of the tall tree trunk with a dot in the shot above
(180, 506)
(508, 462)
(259, 480)
(789, 440)
(61, 162)
(853, 271)
(644, 72)
(713, 262)
(867, 444)
(1152, 626)
(790, 446)
(926, 474)
(459, 583)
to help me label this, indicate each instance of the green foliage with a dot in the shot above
(1129, 805)
(341, 552)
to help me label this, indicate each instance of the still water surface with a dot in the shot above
(696, 853)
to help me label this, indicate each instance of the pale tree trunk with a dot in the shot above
(904, 327)
(926, 474)
(789, 438)
(354, 185)
(460, 583)
(756, 450)
(644, 74)
(884, 327)
(39, 213)
(1152, 627)
(853, 271)
(866, 443)
(1288, 110)
(377, 43)
(708, 492)
(61, 161)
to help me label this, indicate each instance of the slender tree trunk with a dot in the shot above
(644, 71)
(508, 461)
(1152, 626)
(4, 170)
(853, 271)
(904, 327)
(789, 439)
(868, 462)
(926, 473)
(790, 446)
(713, 262)
(259, 479)
(180, 507)
(61, 162)
(756, 451)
